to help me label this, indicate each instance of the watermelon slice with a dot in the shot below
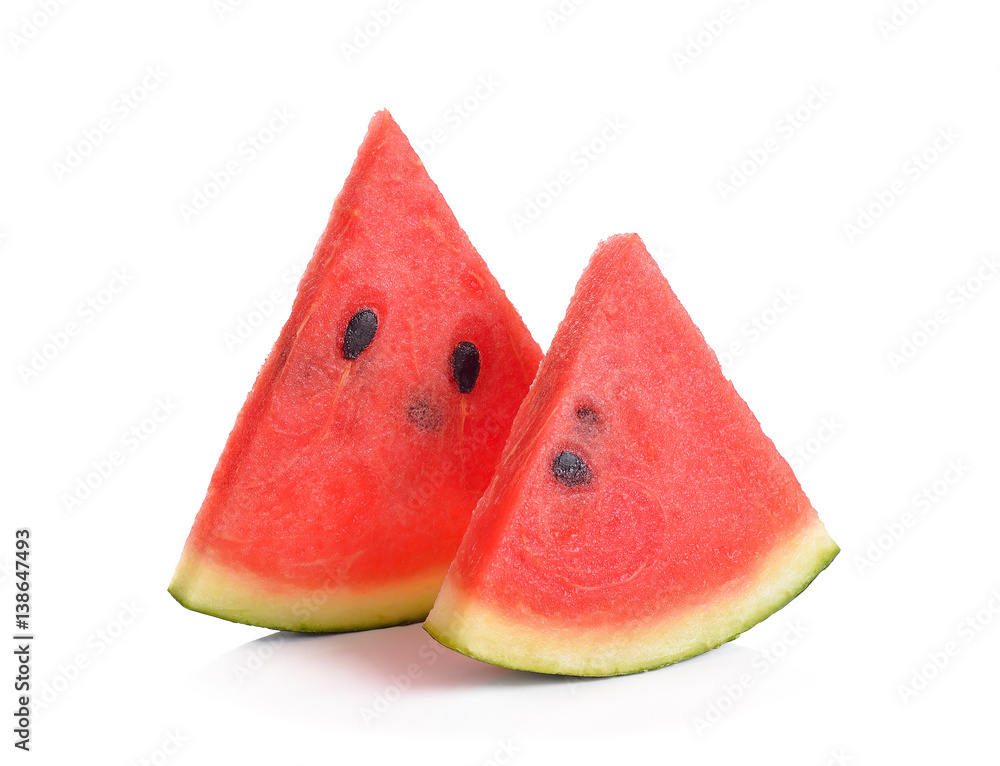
(638, 516)
(374, 425)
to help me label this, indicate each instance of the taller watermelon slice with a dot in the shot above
(638, 515)
(375, 423)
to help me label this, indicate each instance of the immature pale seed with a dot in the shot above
(360, 333)
(424, 414)
(587, 416)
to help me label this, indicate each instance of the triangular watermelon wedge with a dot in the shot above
(639, 515)
(374, 425)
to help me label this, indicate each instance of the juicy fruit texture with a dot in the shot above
(639, 515)
(353, 468)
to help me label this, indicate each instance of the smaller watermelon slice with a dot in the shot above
(639, 515)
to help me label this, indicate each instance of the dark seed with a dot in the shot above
(465, 366)
(424, 414)
(587, 416)
(360, 333)
(570, 470)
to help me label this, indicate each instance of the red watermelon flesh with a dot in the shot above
(353, 468)
(639, 515)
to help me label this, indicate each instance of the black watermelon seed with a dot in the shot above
(465, 366)
(424, 414)
(360, 333)
(587, 416)
(570, 470)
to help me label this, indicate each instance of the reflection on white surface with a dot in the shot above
(400, 679)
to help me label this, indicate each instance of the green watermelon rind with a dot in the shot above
(495, 649)
(207, 587)
(292, 627)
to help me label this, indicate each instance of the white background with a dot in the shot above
(832, 693)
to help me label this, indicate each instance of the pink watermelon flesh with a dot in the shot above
(374, 425)
(638, 515)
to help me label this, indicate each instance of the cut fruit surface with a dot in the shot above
(638, 515)
(375, 423)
